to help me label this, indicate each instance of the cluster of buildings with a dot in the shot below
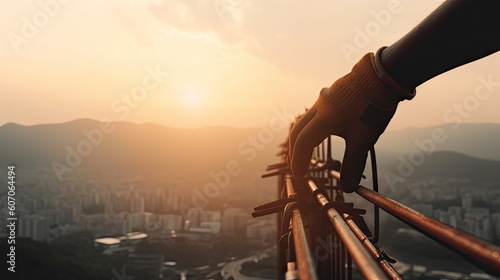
(48, 208)
(481, 220)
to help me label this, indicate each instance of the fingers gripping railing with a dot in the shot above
(304, 207)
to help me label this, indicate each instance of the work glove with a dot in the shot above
(358, 108)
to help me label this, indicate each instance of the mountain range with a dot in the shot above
(129, 147)
(469, 150)
(447, 164)
(481, 140)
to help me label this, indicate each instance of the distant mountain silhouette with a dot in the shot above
(480, 140)
(451, 165)
(134, 147)
(164, 150)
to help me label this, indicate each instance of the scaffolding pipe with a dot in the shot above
(305, 261)
(384, 264)
(364, 261)
(303, 254)
(483, 254)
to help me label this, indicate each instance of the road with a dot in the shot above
(233, 268)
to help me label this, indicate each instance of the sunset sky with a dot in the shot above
(220, 62)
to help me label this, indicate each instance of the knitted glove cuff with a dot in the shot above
(368, 85)
(387, 79)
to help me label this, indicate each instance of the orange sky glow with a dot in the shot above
(200, 63)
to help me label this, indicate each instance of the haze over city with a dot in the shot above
(134, 136)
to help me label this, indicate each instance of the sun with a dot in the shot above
(191, 96)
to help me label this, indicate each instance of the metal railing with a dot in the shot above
(320, 234)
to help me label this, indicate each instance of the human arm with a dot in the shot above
(359, 106)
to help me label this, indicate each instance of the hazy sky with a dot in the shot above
(209, 62)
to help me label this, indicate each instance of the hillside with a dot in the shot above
(481, 140)
(133, 147)
(468, 152)
(448, 164)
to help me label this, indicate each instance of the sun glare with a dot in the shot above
(191, 96)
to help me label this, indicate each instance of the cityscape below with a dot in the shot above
(195, 223)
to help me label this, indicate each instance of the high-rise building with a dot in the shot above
(210, 216)
(56, 216)
(477, 213)
(34, 226)
(235, 219)
(137, 205)
(170, 200)
(467, 225)
(141, 221)
(495, 219)
(467, 201)
(26, 224)
(453, 221)
(444, 217)
(170, 222)
(487, 229)
(194, 217)
(456, 211)
(213, 226)
(41, 230)
(126, 227)
(437, 214)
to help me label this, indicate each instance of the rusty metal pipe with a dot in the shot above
(384, 264)
(334, 174)
(289, 186)
(364, 261)
(305, 261)
(481, 253)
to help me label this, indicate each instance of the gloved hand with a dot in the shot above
(358, 108)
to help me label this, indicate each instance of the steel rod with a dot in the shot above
(305, 261)
(384, 264)
(364, 261)
(481, 253)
